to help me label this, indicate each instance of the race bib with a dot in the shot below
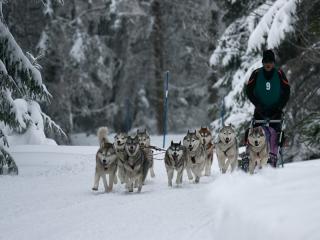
(268, 86)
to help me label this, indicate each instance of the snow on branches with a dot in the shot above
(20, 91)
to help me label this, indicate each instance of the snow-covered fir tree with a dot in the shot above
(21, 91)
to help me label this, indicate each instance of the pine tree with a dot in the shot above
(21, 90)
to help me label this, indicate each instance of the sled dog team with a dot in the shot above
(130, 158)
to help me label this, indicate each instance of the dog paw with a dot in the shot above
(197, 180)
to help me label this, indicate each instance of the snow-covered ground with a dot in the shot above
(51, 199)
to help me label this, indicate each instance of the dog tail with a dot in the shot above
(103, 135)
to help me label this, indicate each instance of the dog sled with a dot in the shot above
(243, 161)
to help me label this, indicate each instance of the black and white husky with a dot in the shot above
(258, 148)
(106, 162)
(119, 145)
(227, 149)
(175, 159)
(196, 155)
(207, 140)
(135, 164)
(144, 141)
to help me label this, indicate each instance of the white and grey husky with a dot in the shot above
(136, 164)
(196, 155)
(119, 145)
(207, 141)
(106, 162)
(227, 149)
(144, 141)
(175, 159)
(258, 148)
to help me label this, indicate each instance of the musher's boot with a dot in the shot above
(272, 160)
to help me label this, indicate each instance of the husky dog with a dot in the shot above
(227, 149)
(258, 148)
(175, 159)
(119, 145)
(196, 155)
(207, 139)
(106, 162)
(144, 141)
(135, 164)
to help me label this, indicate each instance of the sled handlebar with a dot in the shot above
(267, 121)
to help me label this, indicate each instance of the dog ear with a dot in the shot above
(171, 142)
(180, 143)
(261, 130)
(145, 131)
(188, 131)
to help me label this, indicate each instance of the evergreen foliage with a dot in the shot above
(21, 90)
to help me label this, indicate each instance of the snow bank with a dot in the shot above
(273, 204)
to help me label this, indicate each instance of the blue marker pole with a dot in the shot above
(223, 111)
(165, 108)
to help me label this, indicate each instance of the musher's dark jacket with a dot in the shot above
(268, 91)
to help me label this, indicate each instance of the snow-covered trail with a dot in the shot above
(51, 199)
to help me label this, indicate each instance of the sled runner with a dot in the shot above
(278, 142)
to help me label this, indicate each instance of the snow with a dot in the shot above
(77, 50)
(273, 26)
(273, 204)
(31, 126)
(3, 68)
(43, 42)
(51, 199)
(47, 8)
